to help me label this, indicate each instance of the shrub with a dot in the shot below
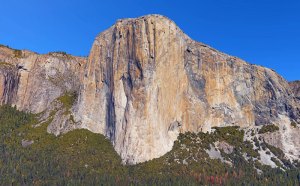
(294, 124)
(6, 46)
(268, 128)
(5, 64)
(276, 161)
(68, 99)
(276, 151)
(18, 53)
(59, 52)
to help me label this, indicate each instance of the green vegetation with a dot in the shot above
(268, 128)
(188, 158)
(52, 160)
(68, 99)
(83, 158)
(64, 54)
(276, 151)
(59, 52)
(276, 161)
(18, 53)
(6, 46)
(294, 124)
(279, 154)
(5, 64)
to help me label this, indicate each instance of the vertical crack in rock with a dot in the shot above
(110, 115)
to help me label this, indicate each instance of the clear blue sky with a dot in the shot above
(264, 32)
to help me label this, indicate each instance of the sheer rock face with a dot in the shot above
(32, 82)
(146, 81)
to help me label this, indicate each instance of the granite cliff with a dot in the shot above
(33, 82)
(144, 83)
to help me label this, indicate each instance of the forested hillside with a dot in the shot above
(31, 156)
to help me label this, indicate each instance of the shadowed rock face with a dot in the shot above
(9, 80)
(144, 82)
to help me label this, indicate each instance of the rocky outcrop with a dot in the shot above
(295, 86)
(32, 81)
(146, 81)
